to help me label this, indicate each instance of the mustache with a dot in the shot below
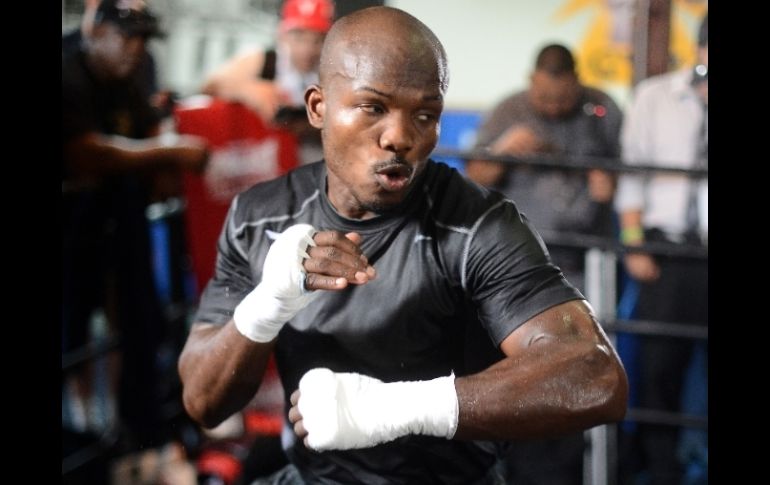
(395, 162)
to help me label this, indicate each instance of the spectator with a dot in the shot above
(111, 164)
(557, 116)
(273, 82)
(667, 124)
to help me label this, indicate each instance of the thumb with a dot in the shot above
(355, 237)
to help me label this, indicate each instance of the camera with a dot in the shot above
(700, 73)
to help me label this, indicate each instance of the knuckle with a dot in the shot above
(324, 264)
(332, 253)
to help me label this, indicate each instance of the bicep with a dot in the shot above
(93, 152)
(572, 321)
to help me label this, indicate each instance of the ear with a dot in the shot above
(315, 105)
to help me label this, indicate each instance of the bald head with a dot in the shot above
(383, 78)
(385, 41)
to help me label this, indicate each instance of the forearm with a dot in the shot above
(549, 389)
(560, 375)
(259, 95)
(631, 231)
(631, 218)
(99, 154)
(232, 80)
(221, 370)
(221, 367)
(248, 92)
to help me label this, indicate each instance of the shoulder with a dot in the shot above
(513, 102)
(282, 198)
(658, 85)
(597, 95)
(466, 220)
(456, 202)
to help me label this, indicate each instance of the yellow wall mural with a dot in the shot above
(604, 54)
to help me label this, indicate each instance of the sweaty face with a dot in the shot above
(553, 96)
(380, 121)
(304, 47)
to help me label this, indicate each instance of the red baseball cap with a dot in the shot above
(315, 15)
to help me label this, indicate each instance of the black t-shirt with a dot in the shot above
(145, 74)
(89, 104)
(92, 105)
(453, 259)
(94, 206)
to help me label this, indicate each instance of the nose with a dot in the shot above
(134, 46)
(398, 134)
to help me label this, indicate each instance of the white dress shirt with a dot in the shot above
(662, 127)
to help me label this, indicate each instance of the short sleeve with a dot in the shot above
(509, 274)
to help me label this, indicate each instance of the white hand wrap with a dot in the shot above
(347, 410)
(281, 293)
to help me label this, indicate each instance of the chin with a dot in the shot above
(382, 205)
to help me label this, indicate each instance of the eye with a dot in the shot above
(371, 109)
(426, 117)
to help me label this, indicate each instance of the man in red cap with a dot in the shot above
(273, 82)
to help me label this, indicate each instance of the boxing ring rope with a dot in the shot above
(582, 162)
(601, 461)
(600, 281)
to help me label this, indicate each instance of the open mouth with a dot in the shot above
(394, 178)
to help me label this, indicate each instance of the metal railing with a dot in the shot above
(601, 262)
(101, 443)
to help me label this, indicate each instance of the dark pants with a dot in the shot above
(106, 263)
(289, 475)
(557, 461)
(139, 316)
(680, 296)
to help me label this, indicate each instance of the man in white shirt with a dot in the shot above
(667, 124)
